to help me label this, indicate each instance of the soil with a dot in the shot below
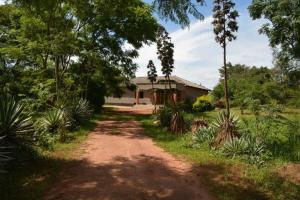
(118, 161)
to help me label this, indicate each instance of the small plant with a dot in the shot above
(55, 121)
(79, 111)
(227, 128)
(14, 121)
(205, 134)
(177, 122)
(203, 104)
(199, 124)
(4, 153)
(234, 147)
(164, 115)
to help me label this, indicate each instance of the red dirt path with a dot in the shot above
(119, 162)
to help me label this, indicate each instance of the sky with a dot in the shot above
(198, 57)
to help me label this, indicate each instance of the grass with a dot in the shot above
(227, 179)
(30, 178)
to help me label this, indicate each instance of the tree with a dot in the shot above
(152, 75)
(73, 43)
(225, 25)
(284, 29)
(178, 11)
(165, 51)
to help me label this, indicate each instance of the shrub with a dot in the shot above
(79, 112)
(203, 104)
(219, 104)
(227, 128)
(55, 121)
(186, 106)
(198, 124)
(205, 134)
(14, 121)
(4, 153)
(234, 147)
(164, 115)
(178, 124)
(52, 120)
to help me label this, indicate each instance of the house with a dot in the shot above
(147, 94)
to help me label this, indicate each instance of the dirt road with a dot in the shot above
(118, 162)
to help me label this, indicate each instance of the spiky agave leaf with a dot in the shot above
(4, 152)
(53, 120)
(227, 128)
(80, 111)
(14, 121)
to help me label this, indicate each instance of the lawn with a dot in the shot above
(226, 178)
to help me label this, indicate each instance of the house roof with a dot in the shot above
(145, 80)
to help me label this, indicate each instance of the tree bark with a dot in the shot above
(225, 83)
(56, 72)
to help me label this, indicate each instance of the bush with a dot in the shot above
(203, 104)
(164, 115)
(14, 121)
(79, 112)
(4, 153)
(234, 147)
(205, 134)
(219, 104)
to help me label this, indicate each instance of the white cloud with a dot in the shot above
(198, 57)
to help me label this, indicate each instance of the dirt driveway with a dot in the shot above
(118, 162)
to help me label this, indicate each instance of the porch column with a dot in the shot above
(155, 97)
(175, 96)
(137, 97)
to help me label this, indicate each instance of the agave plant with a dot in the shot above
(227, 128)
(14, 121)
(236, 146)
(4, 153)
(80, 111)
(53, 120)
(205, 134)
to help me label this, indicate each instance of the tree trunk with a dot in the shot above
(225, 83)
(56, 73)
(165, 92)
(172, 97)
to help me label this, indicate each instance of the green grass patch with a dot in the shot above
(227, 179)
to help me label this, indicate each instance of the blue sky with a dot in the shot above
(198, 57)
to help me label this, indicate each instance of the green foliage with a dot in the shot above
(79, 112)
(4, 153)
(234, 147)
(53, 120)
(227, 128)
(14, 121)
(205, 134)
(203, 104)
(164, 115)
(178, 11)
(284, 23)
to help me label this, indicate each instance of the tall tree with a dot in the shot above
(165, 51)
(152, 73)
(225, 25)
(152, 76)
(284, 29)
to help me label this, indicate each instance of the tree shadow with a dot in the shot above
(228, 182)
(140, 177)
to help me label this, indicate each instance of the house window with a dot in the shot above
(141, 95)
